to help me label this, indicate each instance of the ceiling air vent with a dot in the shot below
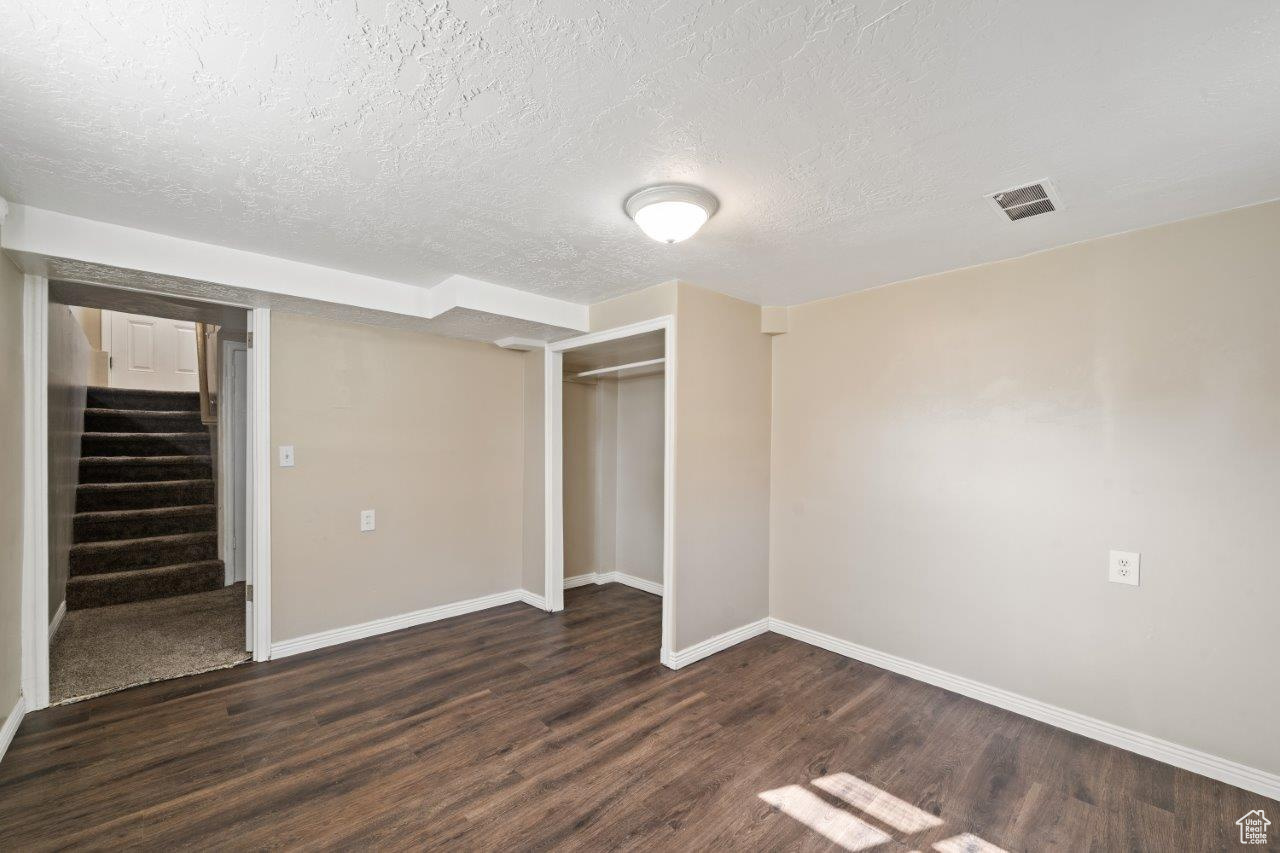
(1031, 200)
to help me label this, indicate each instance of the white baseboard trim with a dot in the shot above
(641, 584)
(11, 724)
(333, 637)
(651, 587)
(533, 599)
(1222, 769)
(56, 622)
(718, 643)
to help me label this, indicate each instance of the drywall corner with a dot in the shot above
(723, 413)
(532, 573)
(656, 301)
(774, 319)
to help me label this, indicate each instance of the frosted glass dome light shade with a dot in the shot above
(670, 213)
(670, 221)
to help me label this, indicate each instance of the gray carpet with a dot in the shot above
(145, 524)
(101, 649)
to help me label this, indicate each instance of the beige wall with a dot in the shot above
(90, 320)
(70, 365)
(638, 479)
(954, 456)
(723, 374)
(427, 431)
(656, 301)
(613, 437)
(11, 476)
(534, 533)
(580, 480)
(723, 396)
(607, 476)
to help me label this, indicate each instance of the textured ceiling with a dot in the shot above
(850, 143)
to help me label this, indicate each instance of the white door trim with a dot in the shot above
(222, 460)
(35, 491)
(258, 529)
(553, 458)
(35, 487)
(553, 471)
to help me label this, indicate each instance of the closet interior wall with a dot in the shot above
(613, 434)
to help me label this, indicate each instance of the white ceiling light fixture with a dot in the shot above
(670, 213)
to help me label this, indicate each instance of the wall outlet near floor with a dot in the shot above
(286, 456)
(366, 520)
(1124, 567)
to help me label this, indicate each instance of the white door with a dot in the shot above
(152, 353)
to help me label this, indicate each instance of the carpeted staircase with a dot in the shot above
(145, 523)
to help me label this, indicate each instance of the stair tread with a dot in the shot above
(135, 434)
(149, 512)
(143, 493)
(172, 568)
(145, 413)
(149, 460)
(133, 399)
(142, 484)
(126, 544)
(151, 533)
(146, 392)
(122, 587)
(145, 469)
(193, 443)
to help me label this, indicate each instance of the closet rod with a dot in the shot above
(600, 370)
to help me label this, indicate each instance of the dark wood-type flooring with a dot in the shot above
(513, 729)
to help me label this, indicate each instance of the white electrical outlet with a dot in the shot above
(1124, 567)
(366, 520)
(286, 456)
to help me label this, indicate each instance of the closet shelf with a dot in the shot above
(633, 366)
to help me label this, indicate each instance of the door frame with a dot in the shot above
(35, 484)
(35, 492)
(553, 462)
(257, 567)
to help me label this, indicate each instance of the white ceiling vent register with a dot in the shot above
(1030, 200)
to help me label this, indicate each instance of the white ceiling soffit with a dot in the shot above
(82, 250)
(850, 143)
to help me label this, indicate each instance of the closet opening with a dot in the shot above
(610, 400)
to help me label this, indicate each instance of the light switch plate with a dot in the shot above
(366, 520)
(1124, 567)
(286, 456)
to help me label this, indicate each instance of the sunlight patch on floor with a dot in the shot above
(881, 805)
(825, 819)
(851, 832)
(966, 843)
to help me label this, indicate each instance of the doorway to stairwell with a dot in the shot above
(147, 488)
